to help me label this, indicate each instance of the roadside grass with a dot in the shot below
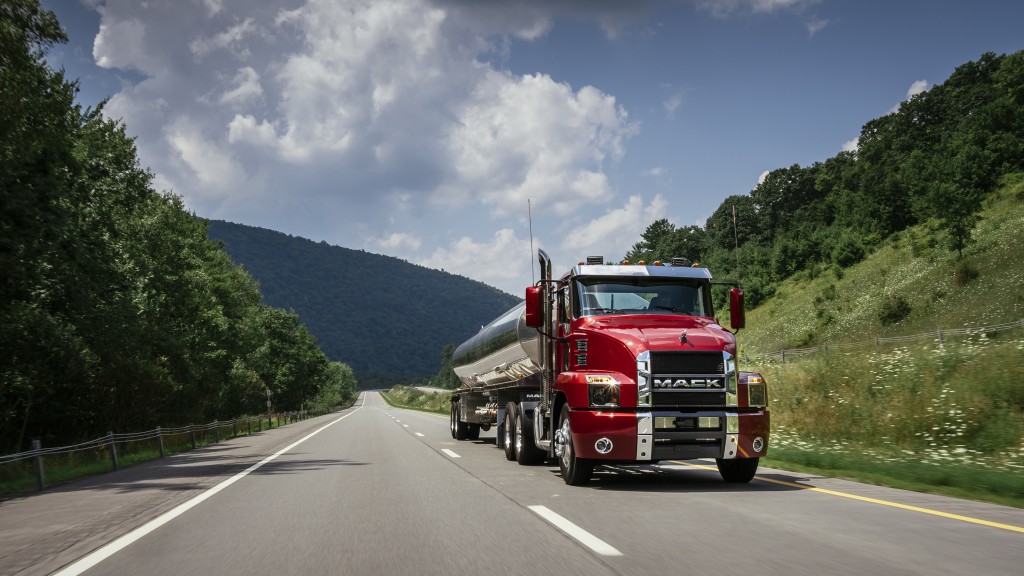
(938, 417)
(958, 481)
(935, 415)
(414, 399)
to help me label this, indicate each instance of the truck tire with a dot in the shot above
(575, 471)
(499, 435)
(473, 431)
(509, 432)
(527, 453)
(459, 429)
(738, 471)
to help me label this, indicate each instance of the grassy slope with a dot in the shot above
(827, 309)
(918, 415)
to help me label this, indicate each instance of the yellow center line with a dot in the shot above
(1009, 527)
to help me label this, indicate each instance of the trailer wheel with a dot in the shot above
(508, 439)
(473, 431)
(452, 420)
(575, 471)
(738, 471)
(459, 429)
(527, 452)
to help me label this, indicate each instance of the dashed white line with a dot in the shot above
(420, 435)
(582, 536)
(450, 453)
(405, 425)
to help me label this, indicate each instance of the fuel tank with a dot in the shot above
(504, 351)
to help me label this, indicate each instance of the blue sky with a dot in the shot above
(421, 128)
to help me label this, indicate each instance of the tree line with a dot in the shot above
(934, 160)
(116, 311)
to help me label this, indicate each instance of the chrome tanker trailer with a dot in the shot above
(614, 363)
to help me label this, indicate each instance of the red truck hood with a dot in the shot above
(663, 332)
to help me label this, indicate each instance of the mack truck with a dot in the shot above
(614, 363)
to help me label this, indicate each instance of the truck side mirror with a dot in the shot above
(737, 313)
(534, 307)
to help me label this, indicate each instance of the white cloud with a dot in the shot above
(724, 8)
(656, 171)
(916, 88)
(504, 260)
(230, 39)
(399, 241)
(852, 145)
(760, 179)
(212, 168)
(118, 44)
(533, 138)
(245, 90)
(672, 104)
(816, 25)
(613, 233)
(362, 122)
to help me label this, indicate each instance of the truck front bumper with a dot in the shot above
(669, 434)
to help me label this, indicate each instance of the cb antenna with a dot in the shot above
(529, 216)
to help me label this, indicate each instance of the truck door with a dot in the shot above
(562, 350)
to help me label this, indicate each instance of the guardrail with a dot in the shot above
(110, 441)
(939, 334)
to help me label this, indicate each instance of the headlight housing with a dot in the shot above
(603, 390)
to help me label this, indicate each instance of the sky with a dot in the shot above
(458, 134)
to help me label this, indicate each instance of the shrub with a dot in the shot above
(894, 309)
(965, 273)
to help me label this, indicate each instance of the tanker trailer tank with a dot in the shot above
(503, 352)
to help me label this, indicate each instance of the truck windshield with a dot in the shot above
(643, 295)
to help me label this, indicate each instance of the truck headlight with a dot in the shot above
(757, 392)
(604, 390)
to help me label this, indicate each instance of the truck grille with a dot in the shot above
(687, 363)
(688, 379)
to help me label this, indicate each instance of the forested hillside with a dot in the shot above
(933, 161)
(386, 318)
(116, 312)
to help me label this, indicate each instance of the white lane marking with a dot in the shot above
(450, 453)
(582, 536)
(405, 425)
(123, 542)
(420, 435)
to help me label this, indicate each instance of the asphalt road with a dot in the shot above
(378, 490)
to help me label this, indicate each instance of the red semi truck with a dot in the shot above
(614, 364)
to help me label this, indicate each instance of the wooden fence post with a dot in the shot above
(37, 447)
(113, 449)
(160, 440)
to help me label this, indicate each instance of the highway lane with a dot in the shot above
(383, 490)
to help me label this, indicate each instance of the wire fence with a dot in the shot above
(939, 334)
(85, 455)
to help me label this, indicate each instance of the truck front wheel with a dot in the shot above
(738, 471)
(575, 471)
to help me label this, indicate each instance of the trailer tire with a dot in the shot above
(738, 471)
(508, 437)
(459, 429)
(527, 453)
(575, 471)
(473, 431)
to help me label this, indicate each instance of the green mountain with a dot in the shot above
(386, 318)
